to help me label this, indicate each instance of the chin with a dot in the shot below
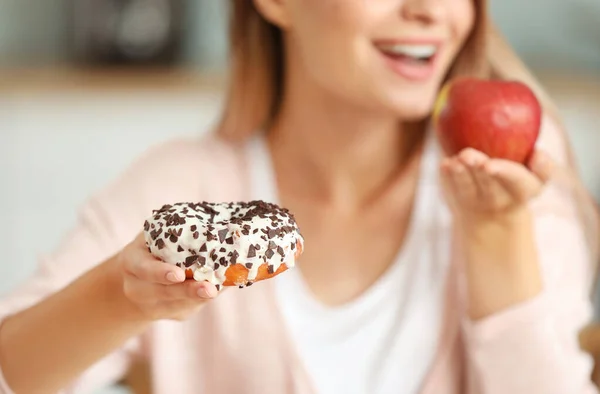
(413, 108)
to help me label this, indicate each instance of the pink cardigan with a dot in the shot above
(238, 343)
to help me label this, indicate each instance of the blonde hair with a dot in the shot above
(256, 61)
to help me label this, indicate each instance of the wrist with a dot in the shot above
(477, 228)
(492, 294)
(502, 266)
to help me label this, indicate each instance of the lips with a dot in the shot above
(412, 61)
(418, 52)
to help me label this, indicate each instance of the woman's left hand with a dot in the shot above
(489, 199)
(481, 188)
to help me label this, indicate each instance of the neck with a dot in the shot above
(338, 154)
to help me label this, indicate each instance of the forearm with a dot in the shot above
(529, 344)
(502, 265)
(59, 338)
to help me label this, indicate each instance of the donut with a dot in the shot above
(226, 244)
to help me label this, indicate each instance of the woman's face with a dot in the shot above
(389, 55)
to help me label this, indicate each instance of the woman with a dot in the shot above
(422, 273)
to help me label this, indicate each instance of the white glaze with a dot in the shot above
(240, 226)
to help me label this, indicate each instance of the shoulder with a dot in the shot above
(566, 207)
(566, 218)
(201, 155)
(553, 140)
(184, 164)
(559, 195)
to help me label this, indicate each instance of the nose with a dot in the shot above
(424, 11)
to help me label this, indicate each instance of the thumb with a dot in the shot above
(542, 165)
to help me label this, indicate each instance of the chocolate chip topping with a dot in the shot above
(251, 251)
(280, 251)
(234, 257)
(222, 235)
(155, 233)
(190, 260)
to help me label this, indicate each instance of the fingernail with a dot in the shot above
(172, 277)
(204, 293)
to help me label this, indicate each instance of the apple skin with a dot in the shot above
(499, 118)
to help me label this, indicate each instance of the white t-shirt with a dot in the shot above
(383, 342)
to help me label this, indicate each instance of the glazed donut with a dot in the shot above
(226, 244)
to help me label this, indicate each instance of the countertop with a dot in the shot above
(585, 83)
(109, 79)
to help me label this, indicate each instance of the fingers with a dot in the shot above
(476, 179)
(477, 183)
(461, 180)
(152, 270)
(141, 264)
(498, 179)
(474, 160)
(521, 183)
(191, 290)
(491, 193)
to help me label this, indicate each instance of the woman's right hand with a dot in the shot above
(159, 290)
(112, 303)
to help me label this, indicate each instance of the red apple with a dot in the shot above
(499, 118)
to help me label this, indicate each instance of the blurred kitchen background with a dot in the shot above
(87, 85)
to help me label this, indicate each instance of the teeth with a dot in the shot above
(416, 51)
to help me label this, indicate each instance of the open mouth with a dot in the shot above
(411, 61)
(417, 54)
